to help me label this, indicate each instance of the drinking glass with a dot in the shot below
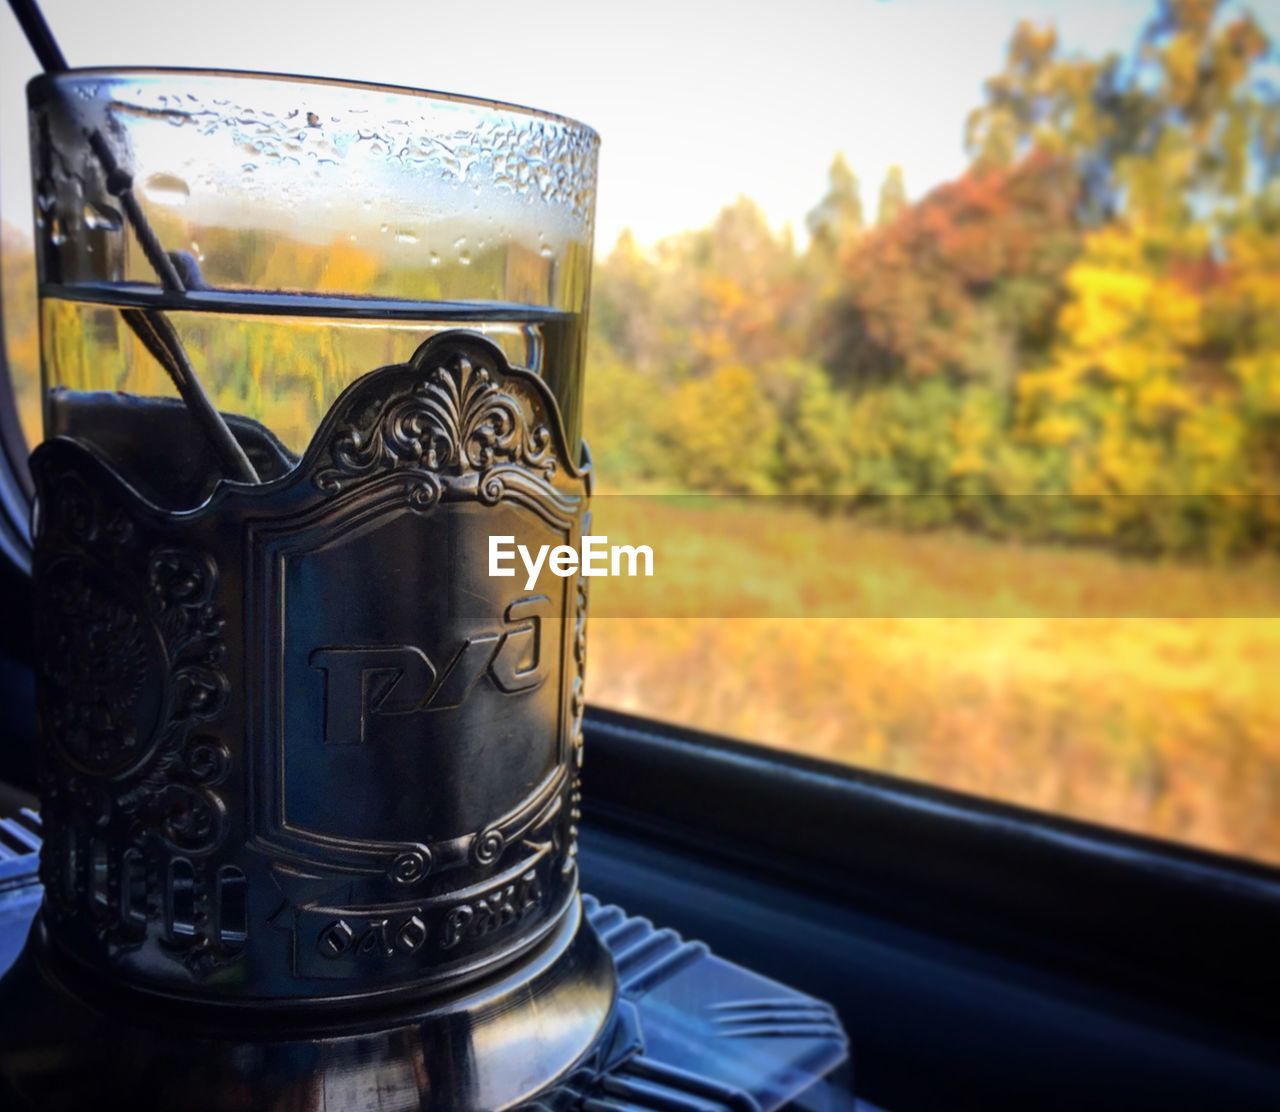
(306, 347)
(321, 230)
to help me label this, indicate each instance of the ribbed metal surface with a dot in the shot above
(19, 847)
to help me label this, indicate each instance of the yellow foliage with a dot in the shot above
(718, 429)
(1129, 388)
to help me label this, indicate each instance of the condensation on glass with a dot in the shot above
(322, 230)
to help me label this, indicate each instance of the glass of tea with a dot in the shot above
(307, 347)
(320, 230)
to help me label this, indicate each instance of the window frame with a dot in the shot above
(1185, 929)
(922, 921)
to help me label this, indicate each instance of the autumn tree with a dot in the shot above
(622, 304)
(837, 218)
(893, 197)
(21, 325)
(1174, 130)
(1164, 363)
(737, 292)
(965, 283)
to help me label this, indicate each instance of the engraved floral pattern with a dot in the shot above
(131, 662)
(95, 659)
(578, 707)
(456, 420)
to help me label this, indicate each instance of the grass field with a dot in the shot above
(1067, 680)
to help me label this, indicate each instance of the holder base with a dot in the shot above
(67, 1043)
(687, 1031)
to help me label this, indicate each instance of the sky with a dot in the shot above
(696, 101)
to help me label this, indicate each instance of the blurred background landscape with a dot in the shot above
(1015, 427)
(1076, 345)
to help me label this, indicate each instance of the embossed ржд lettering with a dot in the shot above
(362, 681)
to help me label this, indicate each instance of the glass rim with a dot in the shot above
(40, 83)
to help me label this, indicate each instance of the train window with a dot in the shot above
(953, 436)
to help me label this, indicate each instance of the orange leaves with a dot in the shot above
(921, 290)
